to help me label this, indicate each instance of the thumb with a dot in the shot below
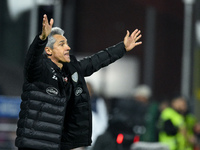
(127, 33)
(51, 22)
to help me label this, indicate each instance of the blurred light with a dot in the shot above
(198, 31)
(120, 138)
(9, 106)
(188, 1)
(16, 7)
(8, 127)
(139, 129)
(136, 139)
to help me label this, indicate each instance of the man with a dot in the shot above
(142, 94)
(177, 126)
(55, 109)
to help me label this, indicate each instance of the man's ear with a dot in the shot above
(48, 51)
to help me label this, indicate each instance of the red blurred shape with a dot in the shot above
(120, 138)
(136, 139)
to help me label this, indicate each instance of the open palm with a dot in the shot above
(46, 27)
(130, 41)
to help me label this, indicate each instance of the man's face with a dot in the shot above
(180, 105)
(60, 52)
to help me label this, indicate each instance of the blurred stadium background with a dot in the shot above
(168, 60)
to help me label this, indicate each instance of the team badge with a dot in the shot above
(65, 79)
(78, 91)
(75, 77)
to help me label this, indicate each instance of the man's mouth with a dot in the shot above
(66, 54)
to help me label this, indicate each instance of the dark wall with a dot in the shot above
(13, 35)
(14, 43)
(103, 23)
(168, 55)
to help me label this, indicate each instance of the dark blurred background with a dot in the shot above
(95, 25)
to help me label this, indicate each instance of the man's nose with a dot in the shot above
(67, 47)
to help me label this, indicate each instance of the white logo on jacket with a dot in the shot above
(75, 77)
(78, 91)
(54, 74)
(52, 91)
(54, 77)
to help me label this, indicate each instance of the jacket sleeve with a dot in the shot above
(93, 63)
(33, 60)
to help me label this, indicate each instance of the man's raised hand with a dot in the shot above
(131, 41)
(46, 27)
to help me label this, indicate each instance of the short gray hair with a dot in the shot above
(51, 39)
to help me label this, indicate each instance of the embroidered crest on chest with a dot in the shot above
(75, 77)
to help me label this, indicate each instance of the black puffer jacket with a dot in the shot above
(55, 113)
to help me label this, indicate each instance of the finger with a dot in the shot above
(138, 43)
(138, 37)
(134, 32)
(46, 19)
(43, 22)
(137, 33)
